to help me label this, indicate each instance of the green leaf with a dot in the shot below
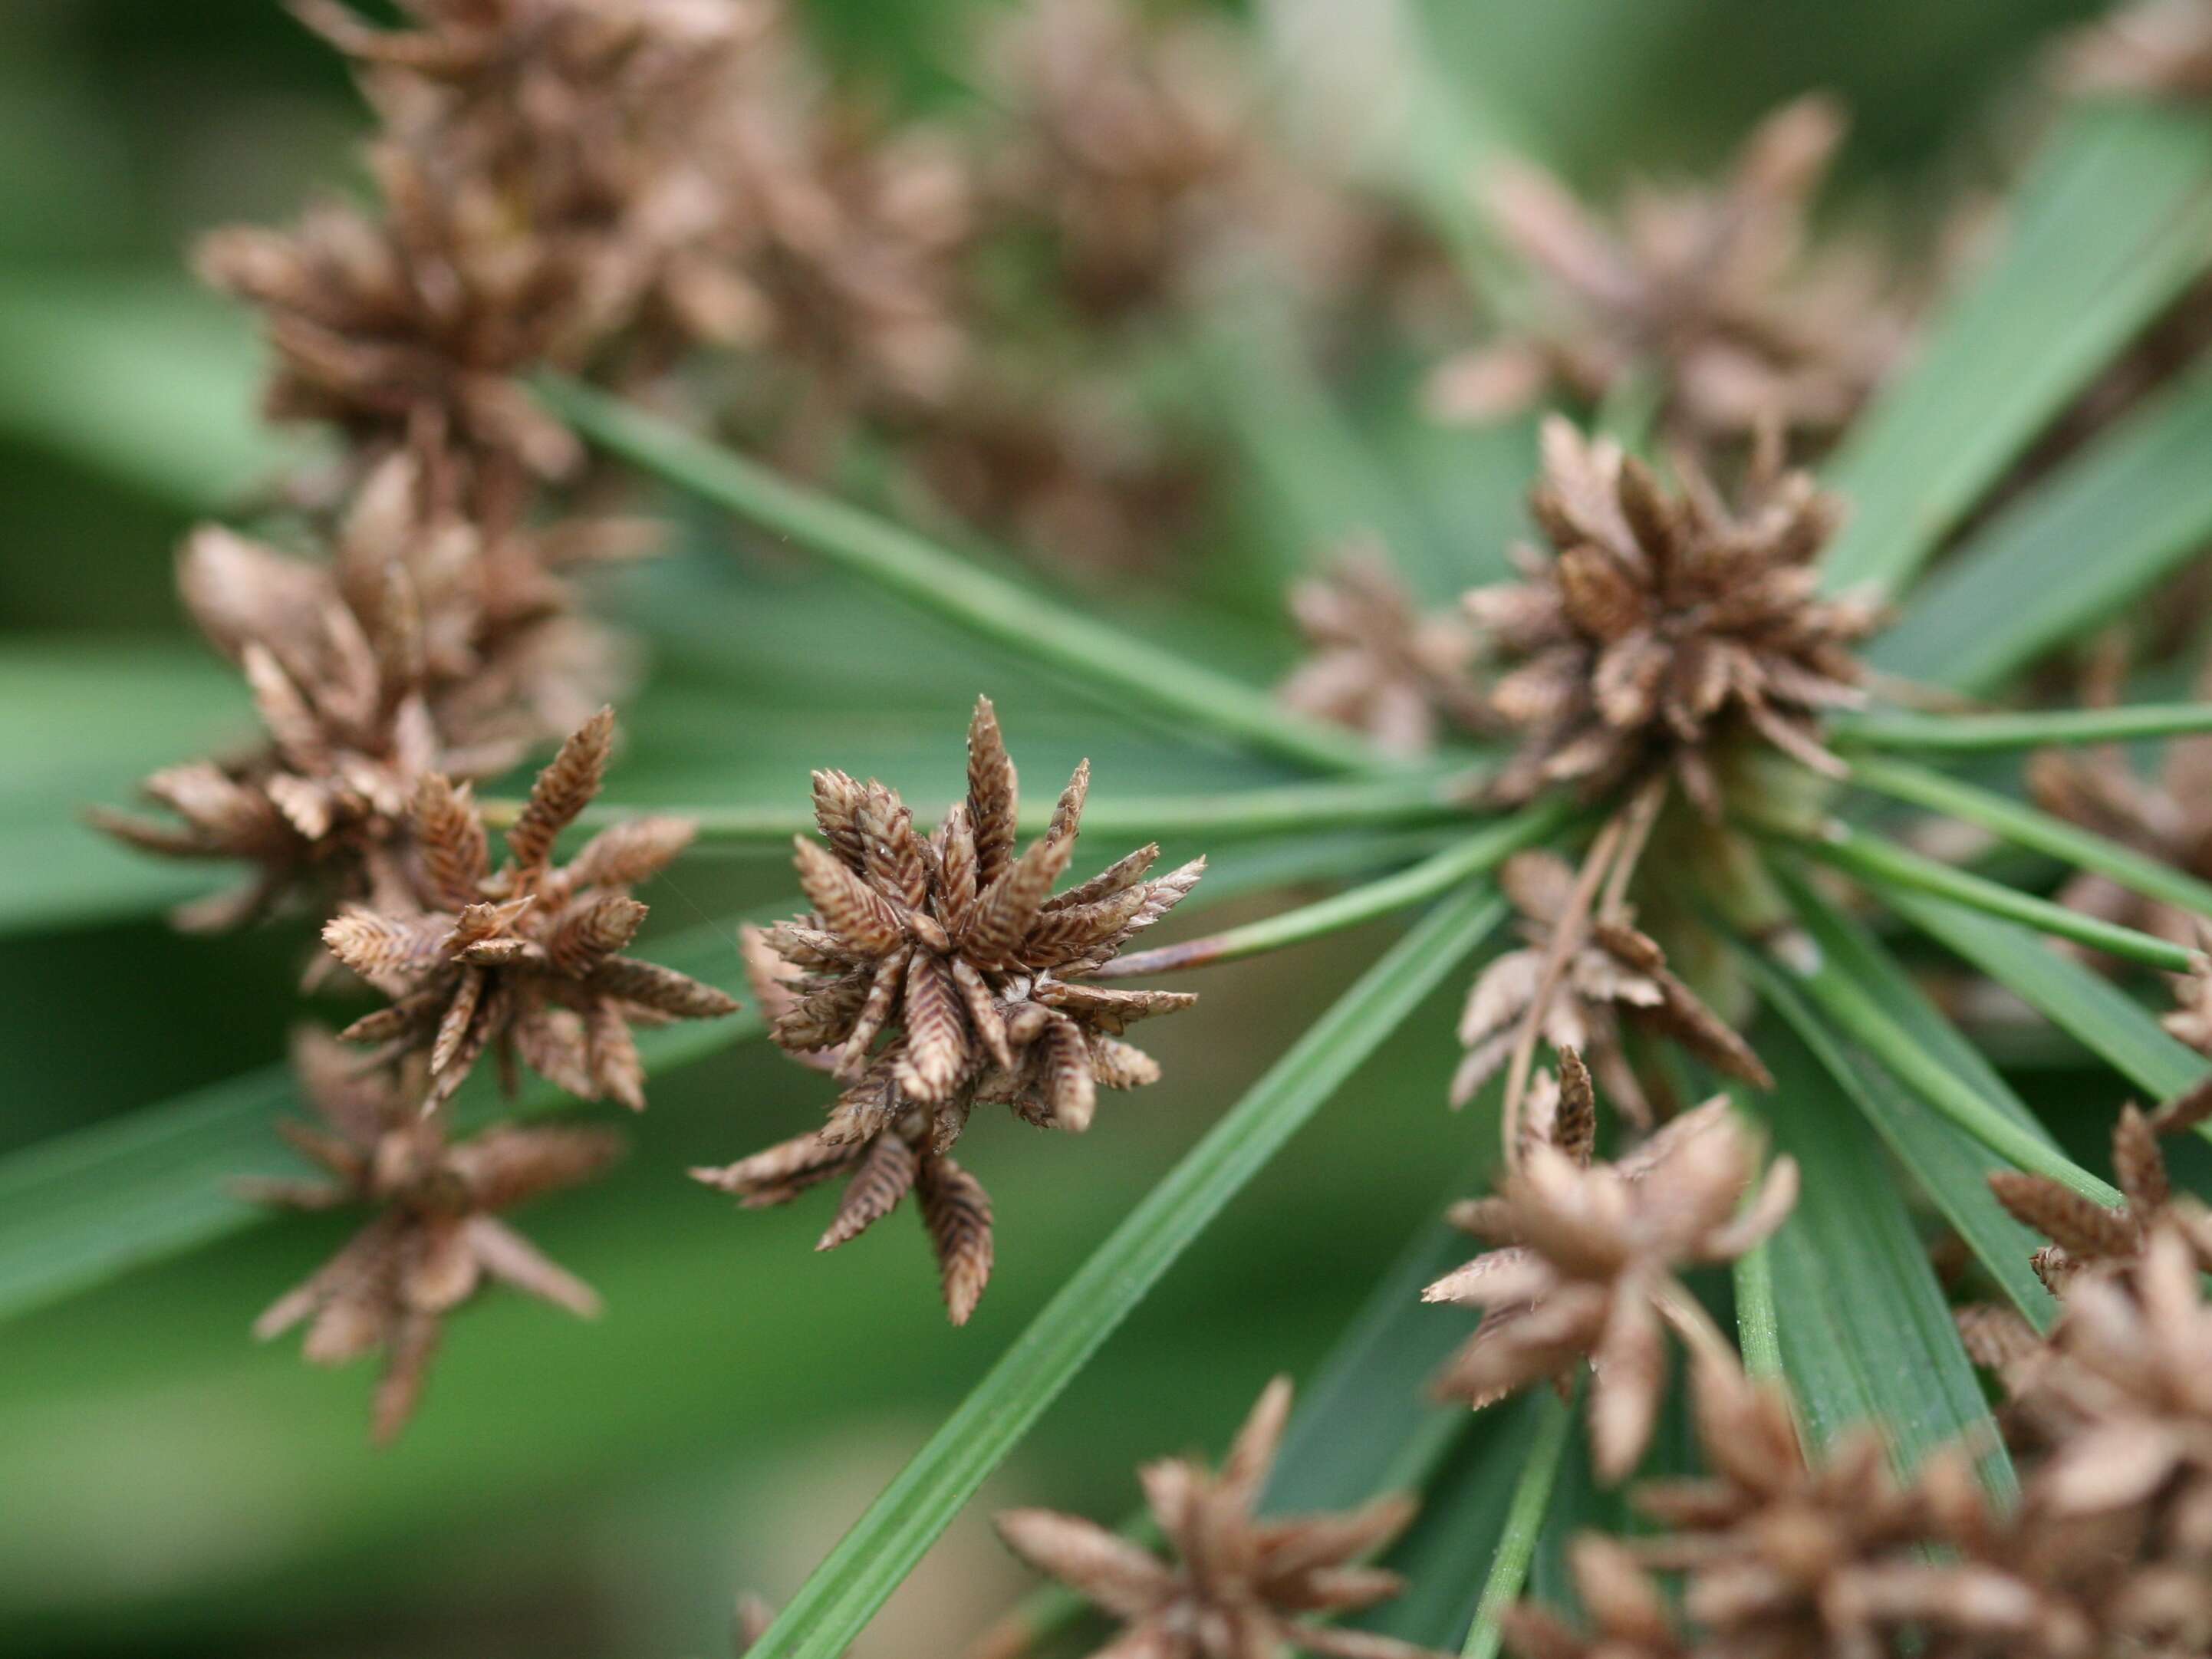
(2061, 560)
(2033, 729)
(1524, 1522)
(1865, 1336)
(1758, 1327)
(1889, 869)
(2087, 1005)
(846, 1589)
(1866, 1011)
(2111, 225)
(1122, 667)
(1951, 1168)
(2027, 826)
(145, 379)
(79, 1209)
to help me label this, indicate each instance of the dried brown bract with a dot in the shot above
(1237, 1586)
(2085, 1234)
(1616, 978)
(2191, 1019)
(437, 1236)
(1378, 666)
(1586, 1257)
(2151, 49)
(1663, 625)
(524, 961)
(1132, 142)
(1630, 1616)
(1782, 1553)
(942, 970)
(1709, 291)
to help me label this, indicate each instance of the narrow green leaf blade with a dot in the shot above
(846, 1589)
(1524, 1523)
(2113, 224)
(2060, 560)
(1865, 1334)
(2087, 1006)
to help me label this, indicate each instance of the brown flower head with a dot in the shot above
(1238, 1587)
(1617, 977)
(1587, 1255)
(1662, 624)
(2085, 1234)
(2152, 49)
(1629, 1615)
(938, 971)
(1708, 290)
(1132, 143)
(1782, 1554)
(523, 961)
(1378, 666)
(437, 1236)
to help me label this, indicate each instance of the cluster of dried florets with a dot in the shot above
(1585, 1256)
(2108, 1550)
(1706, 294)
(1238, 1587)
(939, 971)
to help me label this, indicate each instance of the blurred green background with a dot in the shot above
(166, 1487)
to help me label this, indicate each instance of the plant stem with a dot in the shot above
(1883, 864)
(1484, 850)
(845, 1591)
(1971, 732)
(1122, 667)
(2024, 826)
(1935, 1084)
(1524, 1525)
(1243, 812)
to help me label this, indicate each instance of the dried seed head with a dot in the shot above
(1254, 1581)
(1663, 623)
(1707, 292)
(1377, 665)
(1586, 1260)
(939, 971)
(523, 961)
(436, 1236)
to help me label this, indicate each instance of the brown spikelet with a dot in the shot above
(992, 794)
(957, 1211)
(838, 799)
(562, 790)
(450, 838)
(590, 933)
(846, 904)
(664, 990)
(2080, 1226)
(636, 850)
(936, 1053)
(885, 1174)
(1009, 907)
(2137, 1162)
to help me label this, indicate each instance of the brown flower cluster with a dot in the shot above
(2150, 49)
(1614, 981)
(436, 1236)
(1708, 292)
(1238, 1587)
(523, 962)
(1378, 666)
(1585, 1255)
(1661, 624)
(2107, 1552)
(939, 970)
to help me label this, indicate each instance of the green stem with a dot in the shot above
(2024, 826)
(845, 1591)
(1758, 1327)
(1936, 1084)
(1884, 864)
(1524, 1525)
(1481, 852)
(1244, 813)
(1971, 732)
(1128, 669)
